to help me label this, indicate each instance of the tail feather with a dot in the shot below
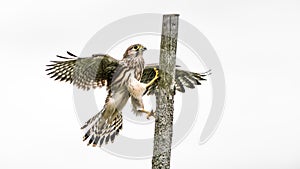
(112, 137)
(87, 135)
(101, 141)
(107, 139)
(91, 140)
(91, 120)
(96, 141)
(102, 129)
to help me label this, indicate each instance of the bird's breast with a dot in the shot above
(136, 88)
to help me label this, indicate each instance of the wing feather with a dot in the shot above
(85, 73)
(183, 79)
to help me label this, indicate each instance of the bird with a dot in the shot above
(128, 78)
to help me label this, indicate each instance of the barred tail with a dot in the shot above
(91, 120)
(103, 129)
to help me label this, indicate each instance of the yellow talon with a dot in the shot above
(153, 80)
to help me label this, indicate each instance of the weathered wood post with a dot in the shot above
(165, 94)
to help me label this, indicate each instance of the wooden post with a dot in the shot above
(165, 94)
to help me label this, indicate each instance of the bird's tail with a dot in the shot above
(104, 127)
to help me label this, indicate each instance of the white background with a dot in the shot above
(257, 42)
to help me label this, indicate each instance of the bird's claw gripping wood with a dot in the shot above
(153, 80)
(149, 114)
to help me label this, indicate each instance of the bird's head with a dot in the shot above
(134, 51)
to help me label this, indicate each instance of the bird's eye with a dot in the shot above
(135, 47)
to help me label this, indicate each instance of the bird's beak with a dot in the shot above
(144, 48)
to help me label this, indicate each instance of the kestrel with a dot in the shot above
(124, 79)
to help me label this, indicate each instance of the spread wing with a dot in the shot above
(85, 73)
(182, 79)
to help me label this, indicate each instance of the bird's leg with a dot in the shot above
(153, 80)
(149, 114)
